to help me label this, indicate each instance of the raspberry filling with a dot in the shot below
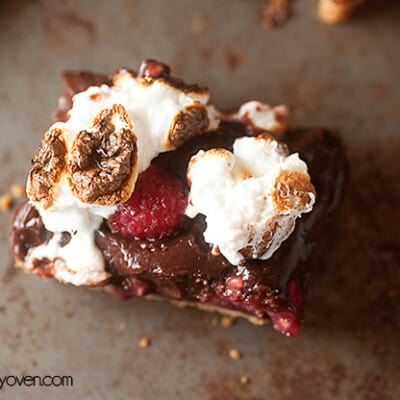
(156, 208)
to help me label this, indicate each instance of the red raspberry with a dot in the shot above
(156, 208)
(285, 322)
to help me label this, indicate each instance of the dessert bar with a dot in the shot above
(144, 188)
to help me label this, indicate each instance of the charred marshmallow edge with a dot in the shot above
(251, 198)
(89, 164)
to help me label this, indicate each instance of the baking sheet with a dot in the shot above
(344, 77)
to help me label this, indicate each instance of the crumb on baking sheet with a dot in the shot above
(244, 380)
(235, 354)
(214, 321)
(17, 190)
(234, 59)
(197, 24)
(5, 202)
(227, 322)
(89, 296)
(144, 342)
(275, 13)
(122, 326)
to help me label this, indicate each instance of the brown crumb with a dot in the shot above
(234, 354)
(122, 326)
(244, 380)
(196, 25)
(5, 202)
(17, 190)
(214, 321)
(144, 342)
(227, 322)
(235, 59)
(275, 13)
(89, 296)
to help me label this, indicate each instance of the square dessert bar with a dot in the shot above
(141, 187)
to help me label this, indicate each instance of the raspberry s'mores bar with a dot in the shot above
(142, 187)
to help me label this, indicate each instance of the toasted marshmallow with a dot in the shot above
(163, 116)
(102, 164)
(250, 198)
(111, 135)
(262, 117)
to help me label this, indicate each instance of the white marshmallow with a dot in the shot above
(152, 108)
(234, 192)
(263, 117)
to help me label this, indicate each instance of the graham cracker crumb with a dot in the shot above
(89, 296)
(122, 326)
(227, 322)
(214, 321)
(275, 13)
(5, 202)
(235, 59)
(144, 342)
(234, 354)
(196, 25)
(181, 305)
(17, 190)
(244, 380)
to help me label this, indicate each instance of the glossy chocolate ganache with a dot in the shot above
(182, 267)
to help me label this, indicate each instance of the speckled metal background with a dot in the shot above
(345, 77)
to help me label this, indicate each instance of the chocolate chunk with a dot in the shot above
(28, 230)
(76, 82)
(188, 123)
(153, 69)
(103, 162)
(65, 239)
(47, 166)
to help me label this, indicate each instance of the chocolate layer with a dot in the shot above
(183, 268)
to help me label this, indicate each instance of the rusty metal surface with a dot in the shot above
(345, 77)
